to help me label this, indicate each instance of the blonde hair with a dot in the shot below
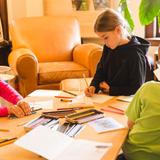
(109, 20)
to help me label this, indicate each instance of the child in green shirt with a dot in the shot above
(143, 141)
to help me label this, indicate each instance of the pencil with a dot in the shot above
(63, 97)
(69, 93)
(118, 109)
(75, 108)
(7, 141)
(108, 110)
(66, 100)
(4, 130)
(84, 77)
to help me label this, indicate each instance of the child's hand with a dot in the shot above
(20, 110)
(104, 87)
(25, 107)
(89, 92)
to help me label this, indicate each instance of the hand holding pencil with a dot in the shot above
(90, 90)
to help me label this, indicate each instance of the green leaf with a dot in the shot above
(148, 10)
(126, 13)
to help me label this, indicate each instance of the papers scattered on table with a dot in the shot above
(157, 73)
(106, 124)
(125, 98)
(100, 98)
(55, 145)
(97, 98)
(45, 104)
(44, 93)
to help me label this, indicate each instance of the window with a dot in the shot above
(152, 33)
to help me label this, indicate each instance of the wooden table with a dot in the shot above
(13, 152)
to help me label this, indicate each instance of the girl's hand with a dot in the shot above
(104, 87)
(20, 110)
(89, 92)
(25, 107)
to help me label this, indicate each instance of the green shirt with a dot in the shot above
(143, 141)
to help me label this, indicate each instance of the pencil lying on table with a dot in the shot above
(75, 108)
(7, 141)
(69, 93)
(118, 109)
(4, 130)
(113, 111)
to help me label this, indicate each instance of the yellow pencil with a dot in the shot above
(84, 77)
(4, 130)
(7, 141)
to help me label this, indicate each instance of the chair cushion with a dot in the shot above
(54, 72)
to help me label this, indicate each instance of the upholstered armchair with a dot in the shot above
(47, 50)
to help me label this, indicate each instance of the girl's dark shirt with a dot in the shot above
(123, 68)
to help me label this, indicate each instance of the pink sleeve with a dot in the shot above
(9, 93)
(3, 111)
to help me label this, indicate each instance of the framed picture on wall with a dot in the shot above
(80, 5)
(101, 4)
(1, 32)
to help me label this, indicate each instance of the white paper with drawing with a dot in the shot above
(97, 98)
(55, 145)
(105, 124)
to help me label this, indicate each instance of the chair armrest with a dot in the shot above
(88, 55)
(25, 64)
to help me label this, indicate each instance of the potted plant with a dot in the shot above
(148, 10)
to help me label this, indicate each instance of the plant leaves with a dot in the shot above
(148, 10)
(126, 13)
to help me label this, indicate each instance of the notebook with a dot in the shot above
(54, 145)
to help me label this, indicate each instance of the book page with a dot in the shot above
(85, 150)
(54, 145)
(105, 124)
(44, 142)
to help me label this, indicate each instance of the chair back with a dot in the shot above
(50, 38)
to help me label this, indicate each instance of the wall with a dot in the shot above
(24, 8)
(27, 8)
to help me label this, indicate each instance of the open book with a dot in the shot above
(54, 145)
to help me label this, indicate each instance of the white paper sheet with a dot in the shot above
(97, 98)
(55, 145)
(157, 73)
(44, 93)
(125, 98)
(105, 124)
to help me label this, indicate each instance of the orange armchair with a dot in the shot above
(47, 50)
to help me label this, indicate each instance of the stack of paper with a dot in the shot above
(54, 145)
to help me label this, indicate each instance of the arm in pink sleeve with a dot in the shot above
(3, 111)
(9, 93)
